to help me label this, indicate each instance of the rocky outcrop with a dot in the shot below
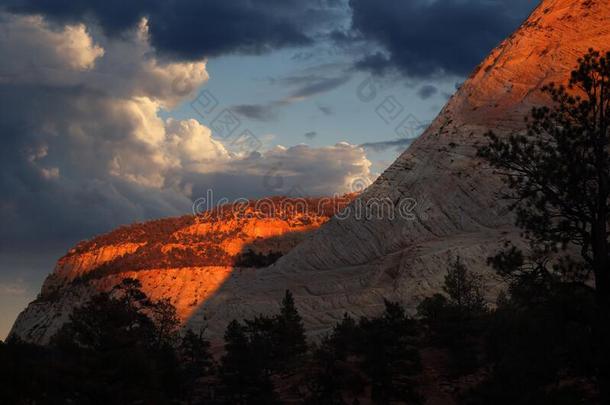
(185, 259)
(351, 263)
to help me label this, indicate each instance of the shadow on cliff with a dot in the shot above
(256, 269)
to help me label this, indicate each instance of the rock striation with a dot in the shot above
(186, 259)
(351, 263)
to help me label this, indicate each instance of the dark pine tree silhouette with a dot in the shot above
(235, 362)
(115, 345)
(558, 174)
(167, 323)
(106, 323)
(455, 320)
(291, 331)
(197, 364)
(464, 289)
(245, 378)
(195, 351)
(389, 356)
(464, 299)
(331, 375)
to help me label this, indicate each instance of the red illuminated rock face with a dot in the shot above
(349, 265)
(186, 259)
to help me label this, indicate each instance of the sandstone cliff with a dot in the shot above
(350, 264)
(186, 259)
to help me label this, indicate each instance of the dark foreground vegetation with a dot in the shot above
(121, 348)
(546, 341)
(257, 260)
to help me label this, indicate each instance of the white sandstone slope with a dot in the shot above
(350, 265)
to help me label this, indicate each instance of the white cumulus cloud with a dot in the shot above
(85, 146)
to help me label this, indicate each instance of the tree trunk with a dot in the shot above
(602, 318)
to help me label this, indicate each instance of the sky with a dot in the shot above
(115, 112)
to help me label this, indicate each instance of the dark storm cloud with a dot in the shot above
(422, 37)
(376, 63)
(319, 85)
(259, 112)
(63, 210)
(419, 37)
(325, 109)
(301, 87)
(191, 29)
(113, 15)
(399, 144)
(314, 80)
(427, 91)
